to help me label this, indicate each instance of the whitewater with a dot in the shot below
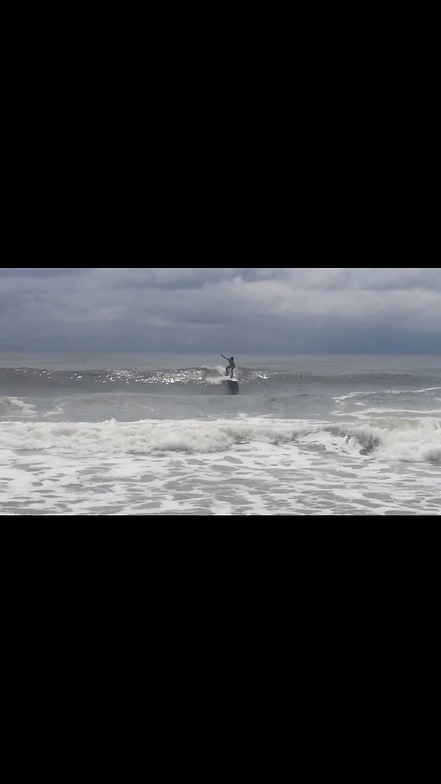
(162, 434)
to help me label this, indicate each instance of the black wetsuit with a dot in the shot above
(230, 365)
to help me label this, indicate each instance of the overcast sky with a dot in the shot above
(221, 310)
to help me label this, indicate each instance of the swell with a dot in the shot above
(28, 380)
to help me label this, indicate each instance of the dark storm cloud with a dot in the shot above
(221, 309)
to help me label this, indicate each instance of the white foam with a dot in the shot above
(396, 439)
(15, 406)
(368, 412)
(214, 381)
(245, 466)
(217, 376)
(402, 438)
(144, 436)
(365, 393)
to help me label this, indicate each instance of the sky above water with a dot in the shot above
(227, 310)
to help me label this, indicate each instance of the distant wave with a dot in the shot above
(28, 380)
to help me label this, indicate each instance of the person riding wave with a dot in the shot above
(231, 365)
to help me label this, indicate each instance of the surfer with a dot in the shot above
(231, 365)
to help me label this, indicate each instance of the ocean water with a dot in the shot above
(108, 434)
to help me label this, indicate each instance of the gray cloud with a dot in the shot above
(221, 309)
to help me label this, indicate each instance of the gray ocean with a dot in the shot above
(169, 434)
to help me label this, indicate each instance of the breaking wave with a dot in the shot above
(412, 440)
